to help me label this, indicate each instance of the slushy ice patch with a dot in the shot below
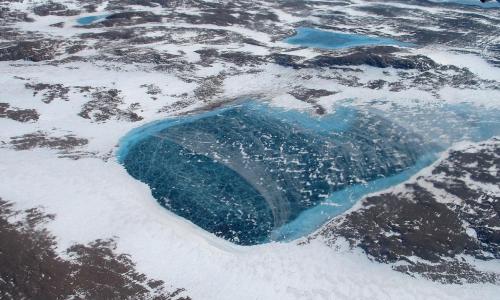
(90, 19)
(244, 171)
(317, 38)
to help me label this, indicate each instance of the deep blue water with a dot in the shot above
(340, 201)
(490, 4)
(317, 38)
(90, 19)
(251, 173)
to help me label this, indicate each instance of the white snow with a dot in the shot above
(96, 199)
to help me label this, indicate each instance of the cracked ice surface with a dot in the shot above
(244, 171)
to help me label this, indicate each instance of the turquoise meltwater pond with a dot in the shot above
(316, 38)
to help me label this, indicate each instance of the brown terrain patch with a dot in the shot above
(104, 105)
(49, 92)
(67, 146)
(53, 8)
(311, 96)
(40, 139)
(32, 269)
(31, 50)
(397, 226)
(18, 114)
(210, 87)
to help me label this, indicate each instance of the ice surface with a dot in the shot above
(317, 38)
(89, 19)
(342, 200)
(450, 123)
(244, 171)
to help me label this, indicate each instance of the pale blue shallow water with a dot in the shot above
(311, 37)
(90, 19)
(440, 127)
(140, 133)
(341, 201)
(339, 121)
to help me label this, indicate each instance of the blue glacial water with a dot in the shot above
(252, 174)
(90, 19)
(440, 127)
(317, 38)
(490, 4)
(340, 201)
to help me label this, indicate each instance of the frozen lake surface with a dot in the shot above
(317, 38)
(90, 19)
(250, 173)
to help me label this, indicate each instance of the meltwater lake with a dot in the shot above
(90, 19)
(325, 39)
(251, 173)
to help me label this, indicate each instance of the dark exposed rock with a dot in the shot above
(365, 57)
(129, 18)
(41, 139)
(90, 8)
(30, 50)
(9, 16)
(209, 87)
(376, 84)
(152, 89)
(397, 227)
(448, 272)
(251, 41)
(32, 269)
(229, 13)
(105, 104)
(217, 16)
(75, 48)
(18, 114)
(123, 34)
(320, 110)
(286, 60)
(138, 35)
(480, 209)
(241, 58)
(49, 92)
(310, 95)
(177, 105)
(207, 56)
(396, 86)
(386, 11)
(425, 36)
(294, 5)
(148, 3)
(54, 8)
(458, 216)
(58, 25)
(131, 55)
